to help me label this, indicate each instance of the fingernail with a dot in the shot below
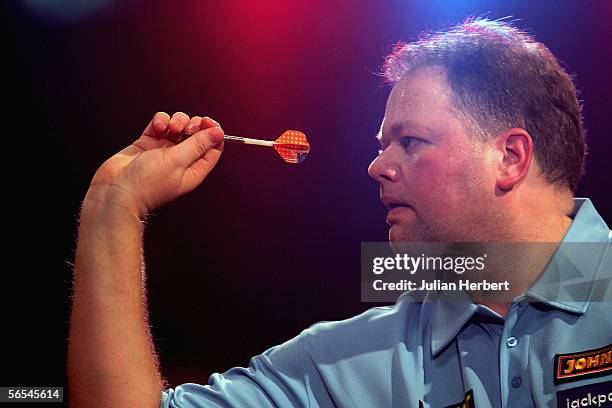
(211, 120)
(216, 134)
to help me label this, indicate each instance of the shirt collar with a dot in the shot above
(566, 284)
(450, 315)
(575, 270)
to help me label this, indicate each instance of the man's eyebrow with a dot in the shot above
(398, 128)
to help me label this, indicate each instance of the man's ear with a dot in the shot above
(516, 147)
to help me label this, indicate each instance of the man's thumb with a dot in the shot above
(194, 147)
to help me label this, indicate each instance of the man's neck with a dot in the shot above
(543, 224)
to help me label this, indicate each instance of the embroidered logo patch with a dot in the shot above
(584, 364)
(468, 402)
(597, 395)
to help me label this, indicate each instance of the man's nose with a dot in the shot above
(382, 169)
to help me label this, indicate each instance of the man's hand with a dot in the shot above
(159, 166)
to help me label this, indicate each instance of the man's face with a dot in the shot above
(437, 179)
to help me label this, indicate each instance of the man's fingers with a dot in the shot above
(208, 123)
(200, 123)
(192, 127)
(177, 125)
(158, 125)
(168, 130)
(164, 126)
(195, 147)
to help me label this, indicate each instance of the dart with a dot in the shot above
(292, 145)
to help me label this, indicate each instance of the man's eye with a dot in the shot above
(408, 141)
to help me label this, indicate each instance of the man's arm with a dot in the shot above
(111, 357)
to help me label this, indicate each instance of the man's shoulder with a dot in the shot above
(375, 327)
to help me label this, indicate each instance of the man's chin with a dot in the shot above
(399, 238)
(394, 235)
(401, 234)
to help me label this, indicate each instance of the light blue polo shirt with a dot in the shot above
(548, 352)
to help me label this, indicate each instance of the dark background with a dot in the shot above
(262, 249)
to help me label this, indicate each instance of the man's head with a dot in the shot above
(476, 114)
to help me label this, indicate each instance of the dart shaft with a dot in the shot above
(238, 139)
(247, 140)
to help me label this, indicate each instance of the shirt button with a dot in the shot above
(511, 341)
(516, 382)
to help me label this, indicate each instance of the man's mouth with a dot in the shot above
(396, 205)
(396, 209)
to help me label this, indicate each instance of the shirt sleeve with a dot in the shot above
(274, 378)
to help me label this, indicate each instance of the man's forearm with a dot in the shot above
(111, 358)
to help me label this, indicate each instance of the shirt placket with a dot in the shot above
(513, 359)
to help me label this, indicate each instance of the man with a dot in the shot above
(482, 141)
